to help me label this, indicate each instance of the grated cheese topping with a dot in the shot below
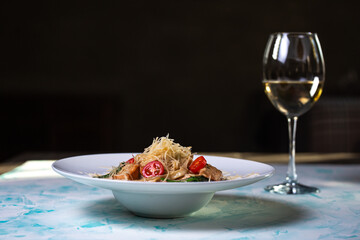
(174, 157)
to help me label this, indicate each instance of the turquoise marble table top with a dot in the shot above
(57, 208)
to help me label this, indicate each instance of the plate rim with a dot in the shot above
(161, 187)
(53, 165)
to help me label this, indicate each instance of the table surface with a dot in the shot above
(53, 207)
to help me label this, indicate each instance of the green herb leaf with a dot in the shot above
(190, 179)
(114, 171)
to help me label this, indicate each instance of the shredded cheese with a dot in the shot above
(173, 156)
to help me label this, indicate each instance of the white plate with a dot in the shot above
(160, 199)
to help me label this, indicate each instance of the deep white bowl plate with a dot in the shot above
(160, 199)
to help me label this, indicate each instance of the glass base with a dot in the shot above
(291, 188)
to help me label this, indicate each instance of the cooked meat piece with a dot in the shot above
(211, 172)
(129, 172)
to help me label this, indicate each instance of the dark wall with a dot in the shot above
(109, 76)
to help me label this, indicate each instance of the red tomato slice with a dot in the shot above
(131, 160)
(198, 164)
(153, 169)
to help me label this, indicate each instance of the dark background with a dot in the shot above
(109, 76)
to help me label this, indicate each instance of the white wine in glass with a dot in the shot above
(293, 79)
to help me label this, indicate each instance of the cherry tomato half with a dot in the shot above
(131, 160)
(153, 169)
(198, 164)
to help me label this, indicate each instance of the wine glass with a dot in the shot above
(293, 78)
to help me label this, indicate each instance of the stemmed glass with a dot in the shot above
(293, 78)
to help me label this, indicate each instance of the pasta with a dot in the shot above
(165, 161)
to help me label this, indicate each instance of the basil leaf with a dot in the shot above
(114, 171)
(190, 179)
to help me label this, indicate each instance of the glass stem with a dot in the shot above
(291, 173)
